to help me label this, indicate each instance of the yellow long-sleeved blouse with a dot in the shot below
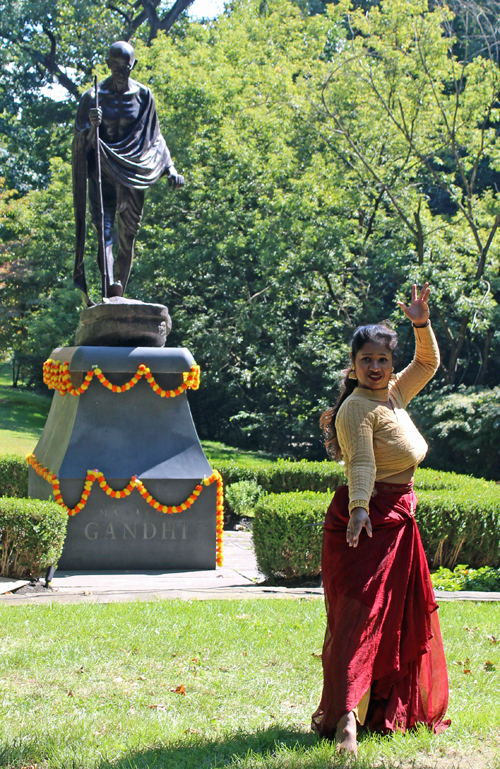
(378, 441)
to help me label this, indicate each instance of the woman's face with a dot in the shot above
(373, 366)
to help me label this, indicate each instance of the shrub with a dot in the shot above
(458, 516)
(461, 522)
(462, 429)
(241, 497)
(286, 545)
(463, 578)
(31, 536)
(13, 476)
(285, 475)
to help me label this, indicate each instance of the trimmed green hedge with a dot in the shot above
(285, 545)
(285, 475)
(32, 535)
(458, 517)
(460, 524)
(13, 476)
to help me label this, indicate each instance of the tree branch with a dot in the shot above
(171, 17)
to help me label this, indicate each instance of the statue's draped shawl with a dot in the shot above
(137, 161)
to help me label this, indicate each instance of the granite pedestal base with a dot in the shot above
(125, 434)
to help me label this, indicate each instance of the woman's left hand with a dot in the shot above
(418, 311)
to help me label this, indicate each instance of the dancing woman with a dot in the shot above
(383, 659)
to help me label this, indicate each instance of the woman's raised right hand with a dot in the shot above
(359, 519)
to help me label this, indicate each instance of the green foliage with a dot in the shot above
(319, 152)
(286, 544)
(462, 578)
(32, 536)
(284, 475)
(461, 523)
(13, 476)
(38, 303)
(241, 497)
(458, 517)
(462, 429)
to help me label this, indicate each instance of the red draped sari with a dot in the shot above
(382, 627)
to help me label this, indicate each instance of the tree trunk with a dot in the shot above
(16, 371)
(456, 348)
(486, 354)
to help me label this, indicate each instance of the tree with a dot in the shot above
(417, 126)
(282, 240)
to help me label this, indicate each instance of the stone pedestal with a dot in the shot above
(122, 322)
(136, 432)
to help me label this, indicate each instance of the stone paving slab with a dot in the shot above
(239, 578)
(7, 585)
(465, 595)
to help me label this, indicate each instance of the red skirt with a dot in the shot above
(382, 626)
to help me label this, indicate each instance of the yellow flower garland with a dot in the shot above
(56, 376)
(96, 475)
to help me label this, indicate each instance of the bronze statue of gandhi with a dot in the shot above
(133, 155)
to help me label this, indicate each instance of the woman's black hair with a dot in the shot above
(379, 334)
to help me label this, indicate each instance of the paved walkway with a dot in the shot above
(238, 578)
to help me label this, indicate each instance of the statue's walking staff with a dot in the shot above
(102, 240)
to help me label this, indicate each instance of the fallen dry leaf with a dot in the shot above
(142, 678)
(489, 666)
(70, 694)
(492, 639)
(117, 680)
(158, 707)
(179, 689)
(191, 731)
(316, 654)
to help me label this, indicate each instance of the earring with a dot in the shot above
(392, 370)
(352, 374)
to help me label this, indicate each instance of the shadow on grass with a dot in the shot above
(264, 749)
(208, 754)
(22, 412)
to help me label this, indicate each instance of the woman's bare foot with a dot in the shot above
(346, 734)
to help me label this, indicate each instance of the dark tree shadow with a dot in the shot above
(207, 754)
(197, 752)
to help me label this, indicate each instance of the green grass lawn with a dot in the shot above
(23, 415)
(90, 686)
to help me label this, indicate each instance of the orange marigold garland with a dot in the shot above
(135, 482)
(56, 376)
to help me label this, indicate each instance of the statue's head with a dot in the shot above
(121, 61)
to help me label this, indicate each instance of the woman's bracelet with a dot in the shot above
(359, 503)
(424, 326)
